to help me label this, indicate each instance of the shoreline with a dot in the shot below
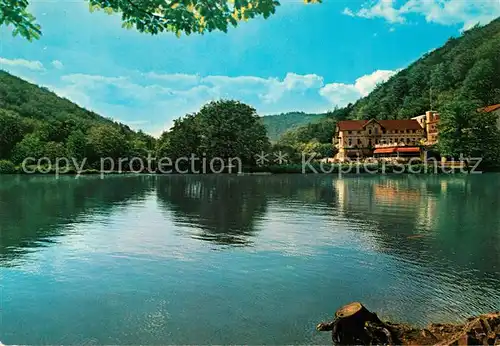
(354, 324)
(324, 169)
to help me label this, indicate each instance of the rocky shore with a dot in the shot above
(355, 325)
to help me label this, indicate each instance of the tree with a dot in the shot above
(154, 16)
(479, 85)
(231, 129)
(182, 140)
(485, 141)
(11, 132)
(31, 146)
(76, 145)
(440, 79)
(54, 150)
(106, 141)
(465, 131)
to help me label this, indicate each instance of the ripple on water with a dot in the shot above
(253, 260)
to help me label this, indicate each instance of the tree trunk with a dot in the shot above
(355, 325)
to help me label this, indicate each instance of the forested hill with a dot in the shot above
(38, 103)
(277, 125)
(467, 67)
(35, 122)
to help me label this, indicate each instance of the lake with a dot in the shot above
(240, 259)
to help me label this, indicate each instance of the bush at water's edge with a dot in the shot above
(7, 167)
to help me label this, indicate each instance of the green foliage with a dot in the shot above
(107, 141)
(315, 137)
(54, 150)
(76, 145)
(7, 167)
(154, 16)
(182, 140)
(14, 12)
(29, 147)
(11, 132)
(277, 125)
(224, 129)
(231, 129)
(464, 131)
(478, 85)
(35, 123)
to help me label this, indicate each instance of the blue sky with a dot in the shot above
(306, 57)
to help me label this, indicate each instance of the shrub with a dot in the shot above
(7, 167)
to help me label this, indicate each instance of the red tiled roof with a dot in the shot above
(409, 150)
(490, 108)
(351, 125)
(407, 124)
(357, 125)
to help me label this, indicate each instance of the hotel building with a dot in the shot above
(385, 138)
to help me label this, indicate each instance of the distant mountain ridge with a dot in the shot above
(278, 124)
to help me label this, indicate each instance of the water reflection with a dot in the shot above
(221, 209)
(452, 221)
(447, 221)
(36, 210)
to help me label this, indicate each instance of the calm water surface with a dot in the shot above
(241, 260)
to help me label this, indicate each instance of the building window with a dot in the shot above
(370, 131)
(359, 141)
(350, 142)
(407, 140)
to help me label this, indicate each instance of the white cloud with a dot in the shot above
(445, 12)
(151, 101)
(28, 64)
(340, 94)
(348, 12)
(57, 64)
(384, 9)
(169, 96)
(175, 78)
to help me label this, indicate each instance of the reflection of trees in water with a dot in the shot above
(455, 217)
(35, 209)
(227, 209)
(224, 208)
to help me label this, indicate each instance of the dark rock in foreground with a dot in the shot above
(355, 325)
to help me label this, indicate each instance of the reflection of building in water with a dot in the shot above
(444, 186)
(385, 199)
(342, 193)
(392, 193)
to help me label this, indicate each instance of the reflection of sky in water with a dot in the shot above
(140, 268)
